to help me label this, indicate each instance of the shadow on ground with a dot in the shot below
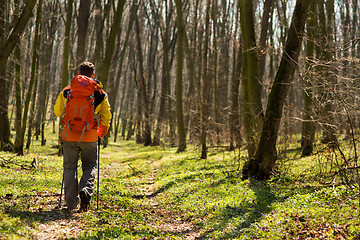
(251, 210)
(41, 216)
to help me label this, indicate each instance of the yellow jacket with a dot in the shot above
(102, 111)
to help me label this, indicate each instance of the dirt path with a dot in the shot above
(164, 218)
(59, 224)
(54, 223)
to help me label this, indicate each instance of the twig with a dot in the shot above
(131, 167)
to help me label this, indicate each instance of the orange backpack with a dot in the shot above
(79, 110)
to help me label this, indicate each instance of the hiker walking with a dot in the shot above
(84, 111)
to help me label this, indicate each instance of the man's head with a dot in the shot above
(87, 69)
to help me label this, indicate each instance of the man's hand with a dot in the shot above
(102, 130)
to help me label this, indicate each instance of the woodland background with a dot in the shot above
(215, 73)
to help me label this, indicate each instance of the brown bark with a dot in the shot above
(264, 160)
(83, 23)
(326, 55)
(142, 87)
(179, 77)
(206, 86)
(7, 45)
(110, 43)
(308, 128)
(263, 36)
(165, 71)
(234, 116)
(251, 89)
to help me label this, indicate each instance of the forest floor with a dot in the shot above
(154, 193)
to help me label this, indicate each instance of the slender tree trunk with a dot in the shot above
(83, 23)
(18, 95)
(65, 60)
(142, 87)
(224, 75)
(234, 104)
(217, 105)
(193, 59)
(47, 72)
(165, 74)
(18, 101)
(66, 54)
(32, 107)
(151, 62)
(206, 86)
(234, 118)
(308, 127)
(113, 92)
(164, 90)
(192, 76)
(327, 70)
(43, 112)
(263, 162)
(99, 28)
(110, 43)
(35, 68)
(33, 78)
(6, 48)
(263, 36)
(124, 123)
(194, 83)
(130, 128)
(5, 126)
(251, 89)
(179, 78)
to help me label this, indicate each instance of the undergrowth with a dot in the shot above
(153, 193)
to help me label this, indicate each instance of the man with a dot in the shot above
(82, 142)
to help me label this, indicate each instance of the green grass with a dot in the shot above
(153, 193)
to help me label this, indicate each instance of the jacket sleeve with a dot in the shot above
(103, 112)
(59, 107)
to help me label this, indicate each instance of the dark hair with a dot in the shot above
(87, 69)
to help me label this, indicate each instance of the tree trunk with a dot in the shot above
(18, 100)
(327, 54)
(33, 78)
(83, 23)
(110, 43)
(251, 89)
(206, 86)
(142, 88)
(151, 67)
(165, 74)
(32, 108)
(65, 60)
(99, 28)
(234, 116)
(308, 127)
(263, 35)
(179, 77)
(217, 106)
(194, 88)
(224, 75)
(47, 72)
(66, 54)
(263, 162)
(6, 48)
(234, 104)
(18, 90)
(164, 91)
(114, 92)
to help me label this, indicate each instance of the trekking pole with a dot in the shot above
(98, 177)
(61, 192)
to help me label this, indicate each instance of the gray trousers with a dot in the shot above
(71, 153)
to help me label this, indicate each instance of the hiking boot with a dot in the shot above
(84, 201)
